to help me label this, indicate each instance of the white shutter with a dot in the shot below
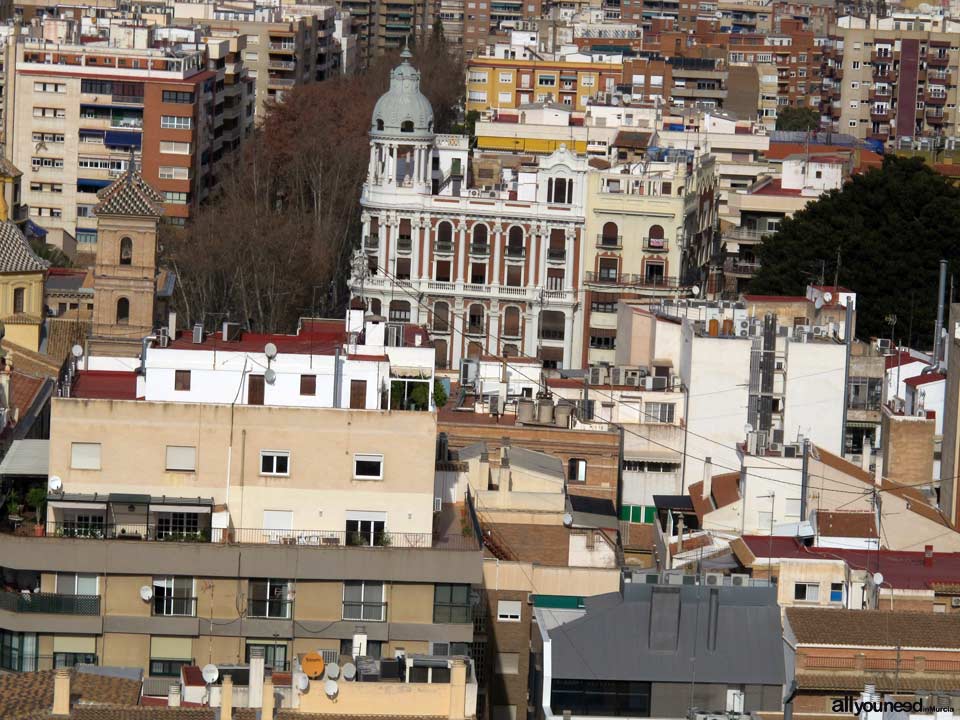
(85, 456)
(182, 458)
(278, 520)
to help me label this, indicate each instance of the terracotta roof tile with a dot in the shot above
(884, 682)
(856, 628)
(105, 385)
(129, 194)
(63, 334)
(27, 694)
(846, 524)
(725, 489)
(543, 544)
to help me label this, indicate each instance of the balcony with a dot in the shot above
(53, 603)
(516, 252)
(881, 94)
(935, 117)
(938, 60)
(655, 244)
(940, 78)
(880, 114)
(557, 255)
(475, 328)
(742, 268)
(443, 247)
(478, 248)
(610, 242)
(283, 47)
(881, 56)
(282, 65)
(746, 235)
(937, 99)
(632, 280)
(404, 244)
(371, 242)
(882, 74)
(551, 333)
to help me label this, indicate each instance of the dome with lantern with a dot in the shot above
(403, 110)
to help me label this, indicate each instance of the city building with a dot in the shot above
(492, 269)
(382, 26)
(21, 288)
(645, 650)
(950, 453)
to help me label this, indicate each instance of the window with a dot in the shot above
(504, 97)
(77, 584)
(174, 148)
(173, 96)
(175, 122)
(173, 596)
(18, 295)
(792, 507)
(611, 698)
(85, 456)
(45, 162)
(168, 172)
(856, 65)
(508, 610)
(366, 528)
(274, 462)
(274, 654)
(49, 87)
(576, 470)
(836, 592)
(268, 599)
(659, 412)
(506, 77)
(547, 80)
(169, 654)
(478, 77)
(451, 604)
(363, 600)
(308, 384)
(45, 112)
(179, 524)
(367, 467)
(176, 198)
(809, 592)
(126, 251)
(181, 458)
(472, 96)
(181, 380)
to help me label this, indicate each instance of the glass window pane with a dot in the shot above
(86, 584)
(352, 591)
(373, 592)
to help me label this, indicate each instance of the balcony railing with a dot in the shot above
(551, 333)
(53, 603)
(371, 243)
(612, 242)
(341, 538)
(655, 244)
(17, 661)
(516, 251)
(740, 267)
(475, 329)
(276, 609)
(175, 606)
(632, 280)
(477, 248)
(556, 254)
(126, 531)
(404, 244)
(443, 246)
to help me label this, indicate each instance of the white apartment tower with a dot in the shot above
(491, 269)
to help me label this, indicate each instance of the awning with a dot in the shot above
(34, 229)
(92, 133)
(123, 139)
(77, 504)
(93, 182)
(652, 456)
(26, 457)
(409, 372)
(181, 508)
(862, 424)
(128, 498)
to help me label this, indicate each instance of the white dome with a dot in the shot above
(403, 110)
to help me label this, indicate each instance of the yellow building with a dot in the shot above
(21, 286)
(501, 83)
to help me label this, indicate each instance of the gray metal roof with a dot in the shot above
(26, 457)
(664, 633)
(537, 462)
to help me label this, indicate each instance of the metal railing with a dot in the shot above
(404, 244)
(175, 606)
(443, 246)
(655, 244)
(516, 251)
(43, 602)
(276, 609)
(551, 334)
(371, 242)
(477, 248)
(732, 265)
(632, 280)
(125, 531)
(339, 538)
(17, 661)
(609, 241)
(556, 254)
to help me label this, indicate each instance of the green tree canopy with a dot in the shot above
(797, 118)
(889, 227)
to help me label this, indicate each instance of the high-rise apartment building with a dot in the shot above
(77, 113)
(892, 78)
(384, 25)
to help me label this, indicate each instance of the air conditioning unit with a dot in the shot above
(714, 579)
(437, 504)
(775, 447)
(744, 324)
(955, 602)
(674, 579)
(884, 344)
(598, 375)
(615, 375)
(819, 331)
(197, 334)
(791, 451)
(740, 579)
(473, 193)
(658, 383)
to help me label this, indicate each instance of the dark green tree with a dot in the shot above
(797, 118)
(888, 229)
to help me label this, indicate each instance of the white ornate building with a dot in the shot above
(490, 270)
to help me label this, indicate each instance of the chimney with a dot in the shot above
(928, 555)
(173, 695)
(255, 685)
(707, 478)
(867, 457)
(226, 698)
(61, 693)
(269, 701)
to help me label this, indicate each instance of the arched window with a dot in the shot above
(656, 231)
(126, 251)
(515, 242)
(655, 240)
(610, 235)
(480, 235)
(445, 234)
(441, 317)
(123, 311)
(511, 322)
(475, 324)
(379, 124)
(406, 126)
(375, 308)
(399, 311)
(19, 295)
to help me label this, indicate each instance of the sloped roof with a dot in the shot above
(855, 628)
(131, 195)
(24, 694)
(834, 523)
(16, 255)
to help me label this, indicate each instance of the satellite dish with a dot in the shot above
(270, 376)
(828, 297)
(312, 665)
(270, 350)
(567, 520)
(333, 671)
(331, 689)
(695, 289)
(77, 351)
(627, 99)
(301, 682)
(210, 673)
(349, 671)
(146, 593)
(54, 484)
(878, 579)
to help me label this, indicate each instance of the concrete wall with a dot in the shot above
(814, 393)
(908, 443)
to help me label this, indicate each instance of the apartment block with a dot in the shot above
(891, 78)
(384, 25)
(483, 18)
(78, 113)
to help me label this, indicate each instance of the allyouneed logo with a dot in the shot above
(850, 704)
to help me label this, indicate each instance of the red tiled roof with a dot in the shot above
(901, 358)
(105, 385)
(371, 358)
(316, 343)
(834, 523)
(782, 150)
(775, 187)
(925, 379)
(724, 488)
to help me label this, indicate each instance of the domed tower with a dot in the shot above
(401, 133)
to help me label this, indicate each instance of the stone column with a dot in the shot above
(569, 246)
(497, 240)
(461, 248)
(567, 338)
(457, 341)
(493, 333)
(415, 241)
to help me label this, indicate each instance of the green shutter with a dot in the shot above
(649, 514)
(636, 514)
(625, 513)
